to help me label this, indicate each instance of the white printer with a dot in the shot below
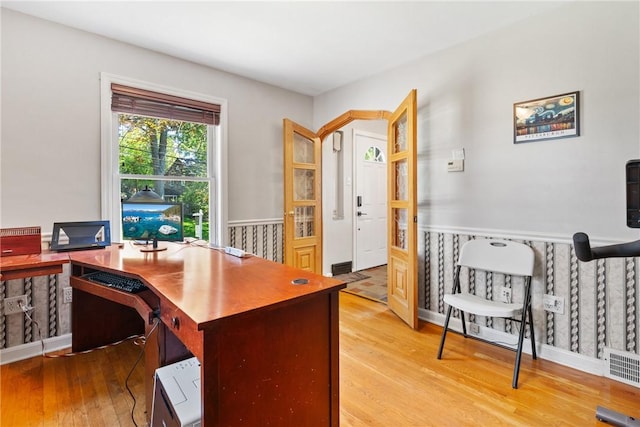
(176, 397)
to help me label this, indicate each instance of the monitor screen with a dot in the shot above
(148, 221)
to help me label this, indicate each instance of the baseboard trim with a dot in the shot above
(32, 349)
(567, 358)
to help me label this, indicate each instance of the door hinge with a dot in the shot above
(415, 218)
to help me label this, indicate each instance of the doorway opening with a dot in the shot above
(304, 210)
(370, 283)
(356, 206)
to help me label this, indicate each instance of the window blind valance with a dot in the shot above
(125, 99)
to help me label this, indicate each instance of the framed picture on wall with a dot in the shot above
(547, 118)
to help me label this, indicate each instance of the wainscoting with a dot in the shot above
(601, 297)
(262, 238)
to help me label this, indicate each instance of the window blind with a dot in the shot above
(125, 99)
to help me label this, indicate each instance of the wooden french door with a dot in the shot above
(402, 290)
(302, 198)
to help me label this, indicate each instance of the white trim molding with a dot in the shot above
(32, 349)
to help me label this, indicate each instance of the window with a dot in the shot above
(374, 154)
(170, 142)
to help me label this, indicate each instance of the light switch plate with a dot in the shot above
(455, 165)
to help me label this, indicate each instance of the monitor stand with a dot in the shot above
(154, 247)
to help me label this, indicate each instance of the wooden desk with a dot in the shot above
(268, 348)
(21, 266)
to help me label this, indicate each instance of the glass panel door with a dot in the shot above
(402, 234)
(303, 198)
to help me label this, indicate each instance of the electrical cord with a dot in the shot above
(27, 309)
(139, 340)
(143, 346)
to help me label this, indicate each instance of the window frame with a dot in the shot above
(109, 155)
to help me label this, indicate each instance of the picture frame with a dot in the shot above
(552, 117)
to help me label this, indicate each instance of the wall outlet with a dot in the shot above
(505, 295)
(12, 304)
(474, 328)
(67, 295)
(553, 303)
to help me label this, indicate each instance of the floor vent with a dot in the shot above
(622, 366)
(341, 268)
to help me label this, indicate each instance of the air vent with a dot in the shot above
(622, 366)
(20, 231)
(341, 268)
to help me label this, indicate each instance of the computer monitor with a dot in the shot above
(152, 220)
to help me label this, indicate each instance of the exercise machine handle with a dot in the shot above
(585, 252)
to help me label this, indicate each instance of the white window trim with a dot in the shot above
(110, 188)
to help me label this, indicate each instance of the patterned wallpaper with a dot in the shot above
(601, 297)
(51, 315)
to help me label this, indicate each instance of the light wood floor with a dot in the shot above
(389, 376)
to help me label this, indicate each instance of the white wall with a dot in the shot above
(51, 122)
(465, 100)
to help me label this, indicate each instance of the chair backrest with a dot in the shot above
(500, 256)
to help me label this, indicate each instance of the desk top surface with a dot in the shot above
(207, 284)
(20, 262)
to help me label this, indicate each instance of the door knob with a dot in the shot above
(361, 213)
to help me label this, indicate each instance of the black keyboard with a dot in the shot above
(122, 283)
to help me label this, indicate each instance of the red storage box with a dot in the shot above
(20, 241)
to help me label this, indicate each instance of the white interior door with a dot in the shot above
(370, 210)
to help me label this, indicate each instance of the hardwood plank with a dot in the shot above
(82, 390)
(389, 376)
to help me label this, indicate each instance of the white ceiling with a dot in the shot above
(308, 47)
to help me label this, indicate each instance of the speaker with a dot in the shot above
(633, 193)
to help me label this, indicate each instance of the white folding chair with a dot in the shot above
(498, 256)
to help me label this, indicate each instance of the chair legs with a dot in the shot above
(527, 317)
(516, 367)
(532, 334)
(444, 331)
